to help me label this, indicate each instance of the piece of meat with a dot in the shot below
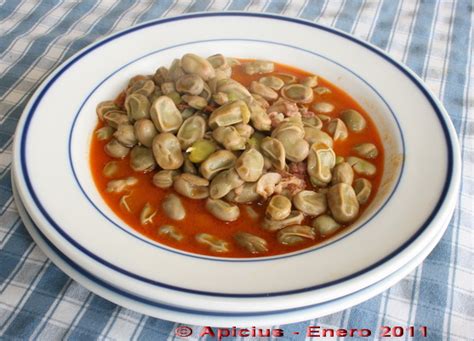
(297, 169)
(293, 114)
(306, 113)
(290, 184)
(285, 107)
(182, 106)
(209, 108)
(276, 118)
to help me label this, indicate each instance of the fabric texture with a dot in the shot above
(434, 38)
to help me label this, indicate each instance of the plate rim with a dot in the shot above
(450, 186)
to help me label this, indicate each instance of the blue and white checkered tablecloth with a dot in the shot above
(434, 38)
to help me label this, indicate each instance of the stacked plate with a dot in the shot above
(67, 217)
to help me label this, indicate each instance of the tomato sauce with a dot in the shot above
(197, 219)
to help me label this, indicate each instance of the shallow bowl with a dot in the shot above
(416, 197)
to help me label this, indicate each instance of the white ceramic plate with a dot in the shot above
(417, 194)
(205, 318)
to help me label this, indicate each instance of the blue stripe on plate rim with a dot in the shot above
(222, 259)
(448, 182)
(177, 309)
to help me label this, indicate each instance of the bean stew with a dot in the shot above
(234, 157)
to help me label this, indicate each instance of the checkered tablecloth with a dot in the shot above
(434, 38)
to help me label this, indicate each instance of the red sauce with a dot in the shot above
(197, 219)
